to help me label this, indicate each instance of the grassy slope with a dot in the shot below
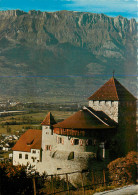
(36, 119)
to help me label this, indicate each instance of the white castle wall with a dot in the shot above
(48, 140)
(109, 107)
(64, 143)
(23, 161)
(47, 135)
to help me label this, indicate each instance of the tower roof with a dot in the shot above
(112, 90)
(82, 119)
(49, 120)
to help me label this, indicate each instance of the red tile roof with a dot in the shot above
(112, 90)
(49, 120)
(82, 120)
(31, 139)
(104, 117)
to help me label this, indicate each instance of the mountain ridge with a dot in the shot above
(53, 45)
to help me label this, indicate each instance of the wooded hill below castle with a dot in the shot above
(64, 54)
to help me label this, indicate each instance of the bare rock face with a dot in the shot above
(12, 13)
(63, 43)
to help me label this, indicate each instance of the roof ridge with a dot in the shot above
(85, 108)
(115, 86)
(112, 90)
(49, 120)
(83, 120)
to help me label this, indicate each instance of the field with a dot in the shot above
(20, 122)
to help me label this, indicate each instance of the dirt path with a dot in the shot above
(127, 190)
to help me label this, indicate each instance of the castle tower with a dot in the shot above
(47, 133)
(120, 105)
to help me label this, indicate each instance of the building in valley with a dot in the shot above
(107, 124)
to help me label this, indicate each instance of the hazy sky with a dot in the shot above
(126, 8)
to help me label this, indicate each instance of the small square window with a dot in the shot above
(89, 142)
(76, 141)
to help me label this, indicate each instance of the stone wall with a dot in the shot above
(127, 127)
(56, 160)
(108, 107)
(58, 165)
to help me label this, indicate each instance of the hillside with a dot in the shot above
(64, 55)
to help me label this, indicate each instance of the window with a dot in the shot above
(20, 156)
(33, 158)
(59, 168)
(76, 141)
(26, 156)
(94, 142)
(34, 151)
(30, 142)
(48, 147)
(71, 156)
(60, 140)
(89, 142)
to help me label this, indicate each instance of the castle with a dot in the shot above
(107, 124)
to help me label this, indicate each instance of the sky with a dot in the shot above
(126, 8)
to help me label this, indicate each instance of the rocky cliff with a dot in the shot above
(64, 54)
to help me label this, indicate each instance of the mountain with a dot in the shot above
(64, 55)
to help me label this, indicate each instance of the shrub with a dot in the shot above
(123, 170)
(14, 180)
